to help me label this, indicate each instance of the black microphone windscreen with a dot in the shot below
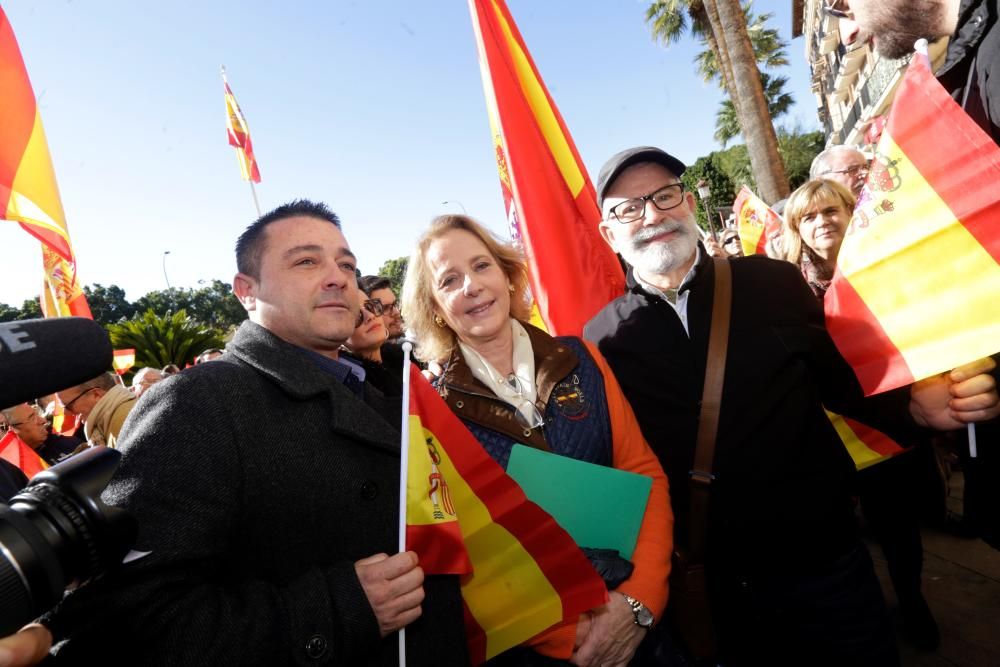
(39, 357)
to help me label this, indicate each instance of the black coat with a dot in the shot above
(257, 480)
(976, 38)
(783, 477)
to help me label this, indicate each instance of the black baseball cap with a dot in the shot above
(619, 162)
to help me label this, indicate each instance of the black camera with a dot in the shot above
(57, 532)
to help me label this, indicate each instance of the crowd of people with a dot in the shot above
(264, 478)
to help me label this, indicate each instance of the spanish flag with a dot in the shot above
(551, 203)
(123, 360)
(13, 450)
(239, 136)
(527, 573)
(29, 195)
(756, 221)
(866, 445)
(917, 286)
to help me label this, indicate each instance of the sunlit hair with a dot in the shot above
(810, 195)
(436, 343)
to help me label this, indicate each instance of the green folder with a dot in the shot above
(600, 507)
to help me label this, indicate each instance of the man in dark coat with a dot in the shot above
(265, 485)
(791, 581)
(971, 74)
(971, 69)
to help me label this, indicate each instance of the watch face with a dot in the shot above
(644, 617)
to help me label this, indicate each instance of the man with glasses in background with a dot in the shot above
(30, 426)
(380, 288)
(843, 164)
(789, 579)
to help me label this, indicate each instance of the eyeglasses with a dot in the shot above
(527, 414)
(853, 170)
(836, 9)
(666, 198)
(387, 308)
(374, 306)
(731, 239)
(35, 417)
(69, 406)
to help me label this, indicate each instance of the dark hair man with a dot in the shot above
(790, 580)
(265, 485)
(971, 69)
(379, 287)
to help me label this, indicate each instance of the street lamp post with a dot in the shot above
(455, 201)
(704, 193)
(167, 280)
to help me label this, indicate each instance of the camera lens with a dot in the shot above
(56, 532)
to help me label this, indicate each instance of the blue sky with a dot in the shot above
(373, 107)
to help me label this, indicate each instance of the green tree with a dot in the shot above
(108, 304)
(161, 340)
(798, 149)
(721, 187)
(727, 126)
(214, 304)
(30, 309)
(395, 271)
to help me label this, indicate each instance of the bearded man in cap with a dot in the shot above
(790, 581)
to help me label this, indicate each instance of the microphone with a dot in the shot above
(39, 357)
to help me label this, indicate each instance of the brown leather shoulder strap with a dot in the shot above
(711, 403)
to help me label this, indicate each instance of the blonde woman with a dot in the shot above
(465, 297)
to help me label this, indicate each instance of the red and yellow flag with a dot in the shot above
(29, 195)
(551, 203)
(123, 360)
(756, 221)
(527, 573)
(916, 288)
(13, 450)
(866, 445)
(239, 136)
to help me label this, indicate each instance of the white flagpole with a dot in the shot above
(404, 460)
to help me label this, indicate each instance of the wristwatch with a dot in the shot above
(643, 616)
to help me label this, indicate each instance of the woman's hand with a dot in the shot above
(612, 638)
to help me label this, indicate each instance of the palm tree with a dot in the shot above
(722, 26)
(162, 340)
(727, 126)
(728, 22)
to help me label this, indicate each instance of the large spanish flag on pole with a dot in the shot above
(551, 203)
(756, 221)
(527, 573)
(239, 135)
(917, 286)
(29, 195)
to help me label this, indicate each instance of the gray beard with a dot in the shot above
(661, 257)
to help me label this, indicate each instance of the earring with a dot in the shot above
(438, 321)
(510, 288)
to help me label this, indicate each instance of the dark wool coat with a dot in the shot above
(782, 491)
(257, 480)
